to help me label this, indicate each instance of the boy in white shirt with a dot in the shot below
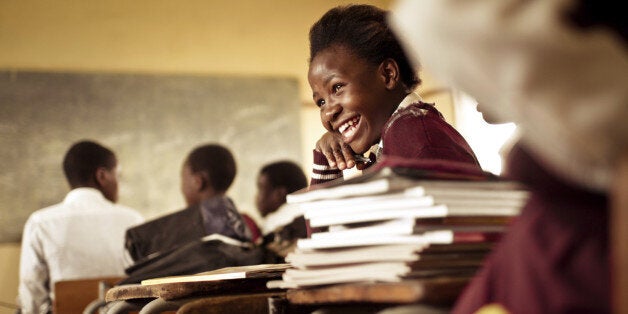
(81, 237)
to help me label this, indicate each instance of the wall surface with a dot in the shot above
(9, 260)
(251, 38)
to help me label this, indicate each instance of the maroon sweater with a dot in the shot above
(417, 131)
(554, 258)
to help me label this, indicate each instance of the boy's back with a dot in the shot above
(214, 215)
(78, 238)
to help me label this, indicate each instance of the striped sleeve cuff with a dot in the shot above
(321, 171)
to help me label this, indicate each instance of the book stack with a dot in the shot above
(394, 223)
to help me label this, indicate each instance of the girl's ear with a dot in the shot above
(389, 72)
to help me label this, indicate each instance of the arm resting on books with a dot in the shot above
(321, 170)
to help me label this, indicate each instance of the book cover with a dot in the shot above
(381, 253)
(426, 238)
(397, 173)
(227, 273)
(379, 271)
(405, 226)
(457, 196)
(378, 215)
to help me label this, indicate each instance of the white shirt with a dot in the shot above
(566, 89)
(81, 237)
(281, 217)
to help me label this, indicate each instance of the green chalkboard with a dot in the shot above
(151, 121)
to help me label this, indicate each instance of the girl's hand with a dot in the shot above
(338, 153)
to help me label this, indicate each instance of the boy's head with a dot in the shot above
(89, 164)
(358, 73)
(274, 182)
(207, 171)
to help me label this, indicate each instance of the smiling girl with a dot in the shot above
(363, 84)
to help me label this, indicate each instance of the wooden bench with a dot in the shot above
(72, 296)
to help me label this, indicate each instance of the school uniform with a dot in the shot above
(193, 240)
(256, 234)
(214, 215)
(415, 130)
(81, 237)
(554, 258)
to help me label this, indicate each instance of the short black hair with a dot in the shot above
(217, 162)
(83, 159)
(286, 174)
(364, 31)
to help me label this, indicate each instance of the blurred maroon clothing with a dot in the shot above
(554, 258)
(256, 234)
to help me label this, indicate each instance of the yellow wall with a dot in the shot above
(190, 36)
(9, 261)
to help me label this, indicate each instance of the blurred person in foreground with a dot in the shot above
(559, 70)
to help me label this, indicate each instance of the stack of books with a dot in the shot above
(397, 223)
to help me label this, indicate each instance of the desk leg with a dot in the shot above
(124, 306)
(94, 306)
(160, 305)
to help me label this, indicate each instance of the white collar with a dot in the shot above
(82, 193)
(408, 100)
(411, 98)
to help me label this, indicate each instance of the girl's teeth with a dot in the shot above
(349, 132)
(348, 125)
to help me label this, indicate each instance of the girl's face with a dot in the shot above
(353, 96)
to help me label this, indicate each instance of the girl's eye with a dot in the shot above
(320, 102)
(336, 87)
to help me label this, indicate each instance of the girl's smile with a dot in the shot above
(353, 96)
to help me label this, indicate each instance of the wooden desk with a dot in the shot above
(172, 291)
(173, 295)
(245, 303)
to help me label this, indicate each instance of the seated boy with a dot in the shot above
(281, 224)
(206, 175)
(79, 237)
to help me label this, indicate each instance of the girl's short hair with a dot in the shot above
(363, 30)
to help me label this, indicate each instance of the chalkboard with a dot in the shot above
(151, 121)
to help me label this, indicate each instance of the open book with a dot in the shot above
(237, 272)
